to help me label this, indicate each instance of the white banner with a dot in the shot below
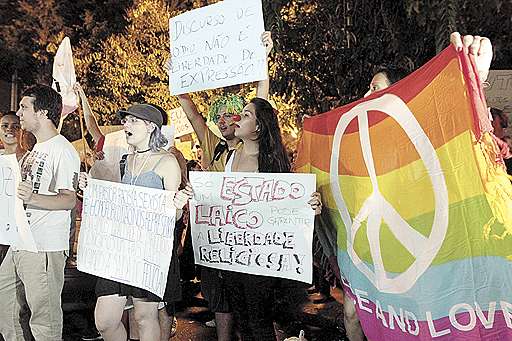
(64, 77)
(14, 227)
(217, 46)
(181, 124)
(127, 234)
(254, 223)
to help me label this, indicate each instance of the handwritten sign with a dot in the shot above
(14, 227)
(499, 93)
(217, 46)
(181, 123)
(127, 234)
(253, 223)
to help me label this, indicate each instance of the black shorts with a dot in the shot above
(213, 287)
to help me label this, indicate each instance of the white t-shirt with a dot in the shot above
(52, 165)
(114, 147)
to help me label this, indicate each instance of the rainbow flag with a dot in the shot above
(423, 211)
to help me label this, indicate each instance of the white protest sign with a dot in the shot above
(64, 77)
(114, 147)
(169, 131)
(499, 92)
(256, 223)
(14, 226)
(179, 119)
(217, 46)
(127, 234)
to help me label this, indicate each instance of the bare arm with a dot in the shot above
(193, 115)
(90, 120)
(170, 172)
(263, 87)
(64, 200)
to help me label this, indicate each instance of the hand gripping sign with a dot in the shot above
(376, 208)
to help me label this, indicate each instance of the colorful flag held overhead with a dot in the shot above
(423, 210)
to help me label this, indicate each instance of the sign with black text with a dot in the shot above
(217, 46)
(182, 125)
(256, 223)
(127, 234)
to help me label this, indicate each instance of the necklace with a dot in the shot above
(143, 151)
(134, 178)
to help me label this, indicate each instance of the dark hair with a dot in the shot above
(495, 112)
(10, 113)
(45, 98)
(272, 156)
(392, 72)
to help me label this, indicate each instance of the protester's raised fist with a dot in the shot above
(266, 39)
(479, 47)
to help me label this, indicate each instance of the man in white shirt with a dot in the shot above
(48, 192)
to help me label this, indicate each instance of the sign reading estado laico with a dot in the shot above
(127, 234)
(216, 46)
(256, 223)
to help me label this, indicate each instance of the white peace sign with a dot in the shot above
(376, 208)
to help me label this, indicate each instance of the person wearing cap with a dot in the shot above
(149, 166)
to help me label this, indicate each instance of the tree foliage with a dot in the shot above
(325, 51)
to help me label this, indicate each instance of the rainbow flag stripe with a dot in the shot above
(422, 210)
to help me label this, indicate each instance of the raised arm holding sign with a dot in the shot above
(221, 112)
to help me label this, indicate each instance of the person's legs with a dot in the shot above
(10, 326)
(166, 322)
(42, 275)
(259, 297)
(224, 325)
(108, 314)
(131, 325)
(252, 299)
(146, 315)
(352, 325)
(24, 314)
(214, 289)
